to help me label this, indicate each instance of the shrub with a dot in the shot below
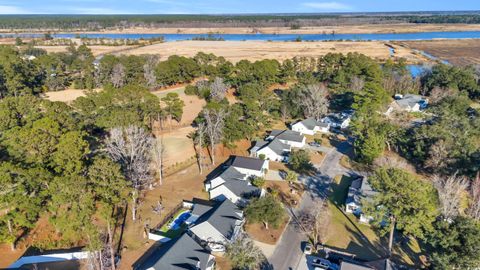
(258, 182)
(300, 162)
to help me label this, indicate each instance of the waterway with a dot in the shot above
(273, 37)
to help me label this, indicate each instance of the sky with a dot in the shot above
(227, 6)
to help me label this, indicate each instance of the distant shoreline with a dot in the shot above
(343, 29)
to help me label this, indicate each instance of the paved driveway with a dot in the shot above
(288, 253)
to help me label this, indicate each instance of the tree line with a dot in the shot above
(98, 22)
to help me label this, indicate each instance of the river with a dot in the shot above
(274, 37)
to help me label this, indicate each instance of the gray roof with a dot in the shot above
(180, 254)
(278, 147)
(260, 144)
(409, 100)
(344, 265)
(223, 217)
(241, 188)
(248, 163)
(360, 188)
(231, 173)
(287, 135)
(200, 209)
(310, 123)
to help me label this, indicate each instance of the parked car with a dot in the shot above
(308, 249)
(314, 144)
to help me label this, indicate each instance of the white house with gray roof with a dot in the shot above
(274, 150)
(233, 183)
(289, 137)
(219, 226)
(359, 191)
(408, 103)
(310, 126)
(249, 166)
(179, 254)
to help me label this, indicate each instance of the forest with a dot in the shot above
(65, 163)
(98, 22)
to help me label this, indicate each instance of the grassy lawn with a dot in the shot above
(324, 138)
(172, 233)
(349, 235)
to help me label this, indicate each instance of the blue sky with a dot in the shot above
(225, 6)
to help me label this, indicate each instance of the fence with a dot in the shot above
(169, 216)
(50, 258)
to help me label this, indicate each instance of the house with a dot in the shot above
(233, 183)
(219, 226)
(358, 191)
(310, 126)
(289, 137)
(249, 166)
(273, 150)
(236, 191)
(230, 173)
(408, 103)
(182, 253)
(346, 265)
(339, 120)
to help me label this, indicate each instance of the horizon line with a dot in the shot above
(426, 12)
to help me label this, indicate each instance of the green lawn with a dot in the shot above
(349, 235)
(167, 232)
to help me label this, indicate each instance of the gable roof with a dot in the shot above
(409, 100)
(241, 188)
(180, 254)
(230, 173)
(223, 217)
(360, 188)
(288, 135)
(278, 147)
(248, 163)
(309, 123)
(200, 209)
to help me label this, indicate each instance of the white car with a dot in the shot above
(308, 249)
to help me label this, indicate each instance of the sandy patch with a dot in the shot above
(67, 95)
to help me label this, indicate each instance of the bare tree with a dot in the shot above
(474, 209)
(357, 84)
(314, 101)
(450, 190)
(438, 156)
(218, 89)
(393, 162)
(158, 153)
(131, 148)
(149, 71)
(214, 123)
(118, 75)
(315, 221)
(439, 93)
(244, 254)
(199, 140)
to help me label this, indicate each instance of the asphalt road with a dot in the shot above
(288, 252)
